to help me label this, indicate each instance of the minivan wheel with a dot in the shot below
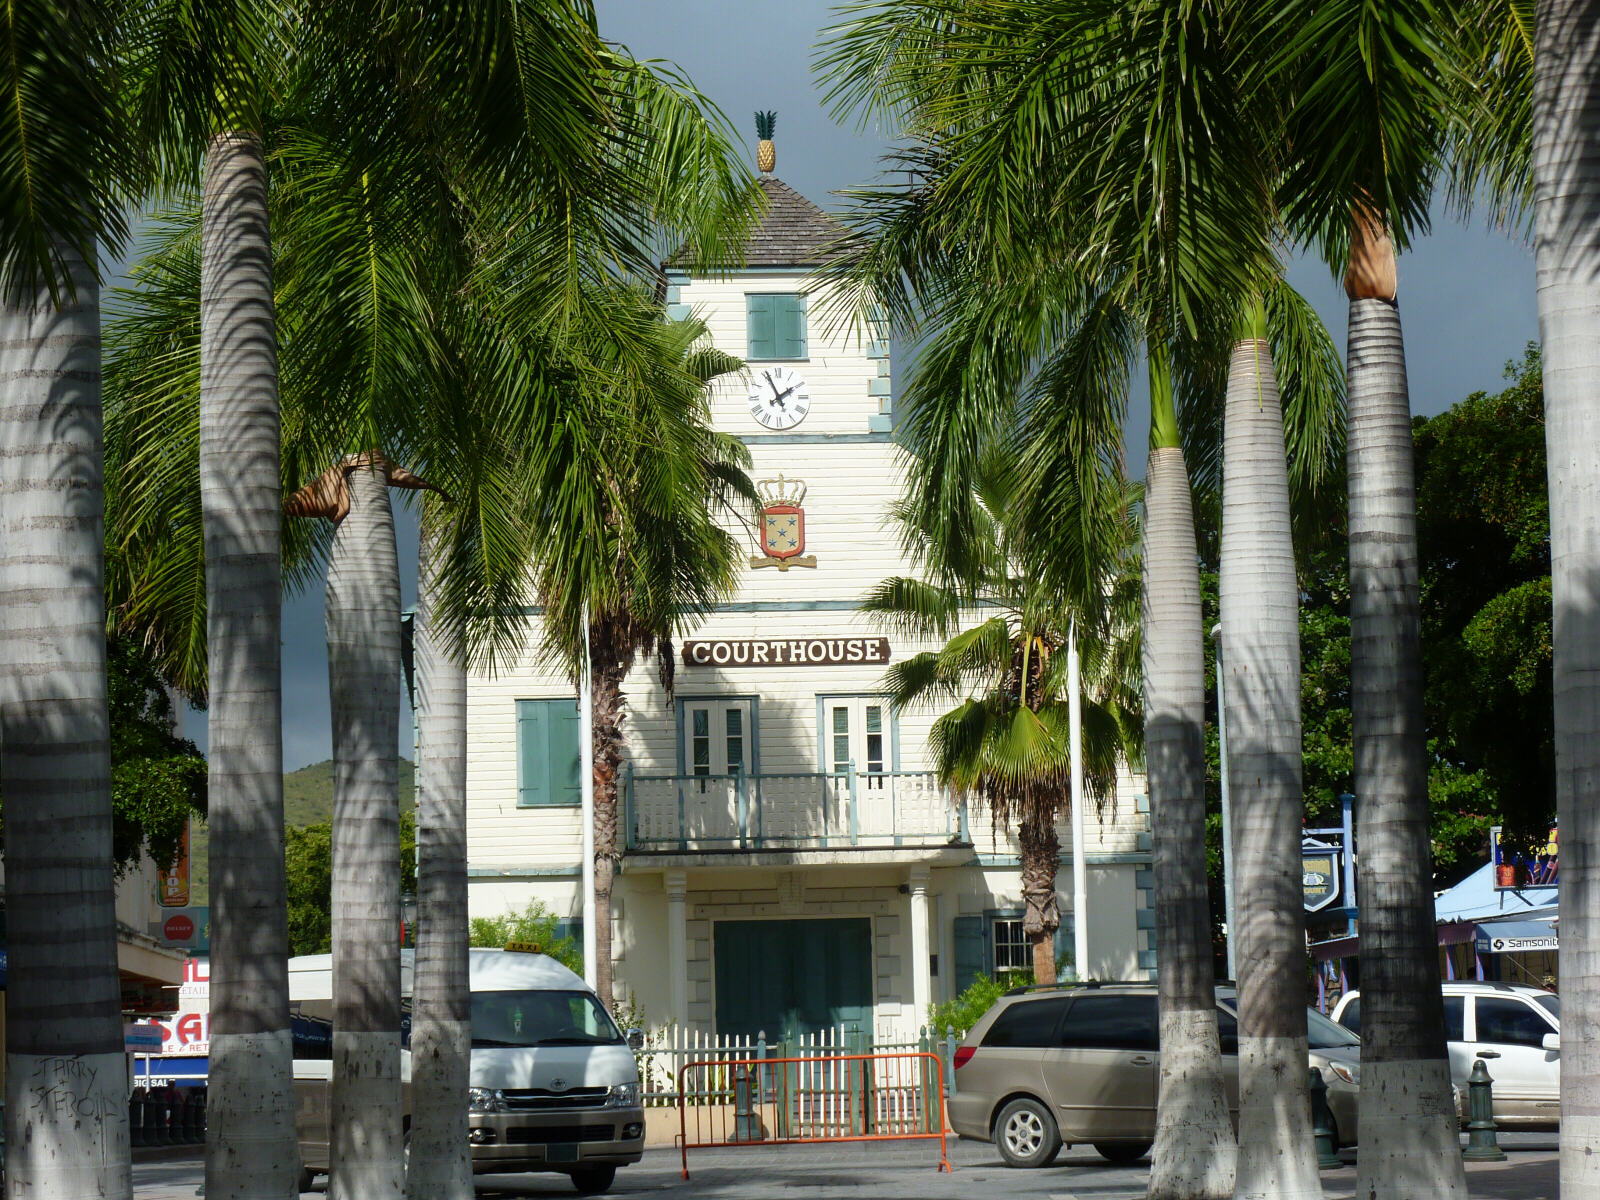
(1026, 1134)
(1122, 1153)
(591, 1181)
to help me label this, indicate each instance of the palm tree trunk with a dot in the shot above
(607, 674)
(440, 1164)
(1260, 630)
(1410, 1144)
(1566, 129)
(66, 1112)
(251, 1153)
(363, 619)
(1040, 847)
(1195, 1152)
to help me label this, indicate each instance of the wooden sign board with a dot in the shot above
(788, 652)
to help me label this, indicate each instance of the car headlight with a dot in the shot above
(623, 1095)
(485, 1100)
(1351, 1074)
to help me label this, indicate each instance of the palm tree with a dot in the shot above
(1367, 88)
(363, 619)
(1260, 627)
(633, 483)
(441, 1010)
(67, 165)
(1566, 118)
(1006, 743)
(1083, 174)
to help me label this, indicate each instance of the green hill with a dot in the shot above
(307, 800)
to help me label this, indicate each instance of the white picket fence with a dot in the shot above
(667, 1049)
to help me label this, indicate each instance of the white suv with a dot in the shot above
(1515, 1029)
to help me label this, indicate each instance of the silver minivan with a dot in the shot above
(554, 1084)
(1047, 1068)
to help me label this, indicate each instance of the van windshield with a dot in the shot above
(540, 1019)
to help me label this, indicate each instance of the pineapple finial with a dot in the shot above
(766, 156)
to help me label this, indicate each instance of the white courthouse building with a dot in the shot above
(788, 863)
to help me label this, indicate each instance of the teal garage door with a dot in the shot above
(787, 978)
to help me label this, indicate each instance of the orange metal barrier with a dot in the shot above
(826, 1098)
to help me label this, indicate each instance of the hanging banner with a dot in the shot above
(172, 887)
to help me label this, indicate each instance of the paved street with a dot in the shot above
(902, 1171)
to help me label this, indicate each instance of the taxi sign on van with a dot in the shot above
(524, 948)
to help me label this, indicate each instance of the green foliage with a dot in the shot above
(963, 1012)
(1483, 535)
(158, 779)
(308, 863)
(532, 923)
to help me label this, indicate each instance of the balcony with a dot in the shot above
(816, 811)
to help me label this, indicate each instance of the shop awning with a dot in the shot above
(1514, 937)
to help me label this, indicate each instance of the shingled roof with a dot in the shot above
(793, 232)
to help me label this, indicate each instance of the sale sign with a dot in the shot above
(187, 1033)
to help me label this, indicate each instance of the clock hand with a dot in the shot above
(772, 385)
(786, 392)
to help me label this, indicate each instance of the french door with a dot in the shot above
(716, 737)
(856, 730)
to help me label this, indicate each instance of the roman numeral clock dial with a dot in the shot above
(778, 398)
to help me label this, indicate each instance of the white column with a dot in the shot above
(591, 953)
(1080, 885)
(921, 980)
(677, 884)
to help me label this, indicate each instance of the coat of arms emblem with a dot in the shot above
(783, 524)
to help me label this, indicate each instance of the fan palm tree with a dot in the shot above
(1085, 174)
(1566, 122)
(67, 167)
(1006, 743)
(633, 485)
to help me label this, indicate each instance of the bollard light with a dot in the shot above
(1482, 1146)
(1322, 1122)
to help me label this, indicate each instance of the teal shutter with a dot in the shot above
(533, 777)
(761, 326)
(566, 769)
(547, 753)
(791, 323)
(970, 956)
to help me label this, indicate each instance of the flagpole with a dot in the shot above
(586, 780)
(1080, 887)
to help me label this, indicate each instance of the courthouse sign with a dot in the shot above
(787, 652)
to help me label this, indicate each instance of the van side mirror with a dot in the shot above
(635, 1039)
(1552, 1041)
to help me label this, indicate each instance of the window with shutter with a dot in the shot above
(971, 959)
(775, 326)
(548, 753)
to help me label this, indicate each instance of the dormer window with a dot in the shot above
(776, 326)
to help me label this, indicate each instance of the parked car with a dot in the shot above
(1047, 1068)
(554, 1085)
(1515, 1029)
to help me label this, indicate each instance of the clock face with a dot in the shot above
(778, 398)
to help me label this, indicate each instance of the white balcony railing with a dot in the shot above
(784, 812)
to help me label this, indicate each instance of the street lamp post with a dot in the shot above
(1227, 825)
(1080, 887)
(586, 795)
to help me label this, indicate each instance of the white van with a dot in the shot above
(554, 1085)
